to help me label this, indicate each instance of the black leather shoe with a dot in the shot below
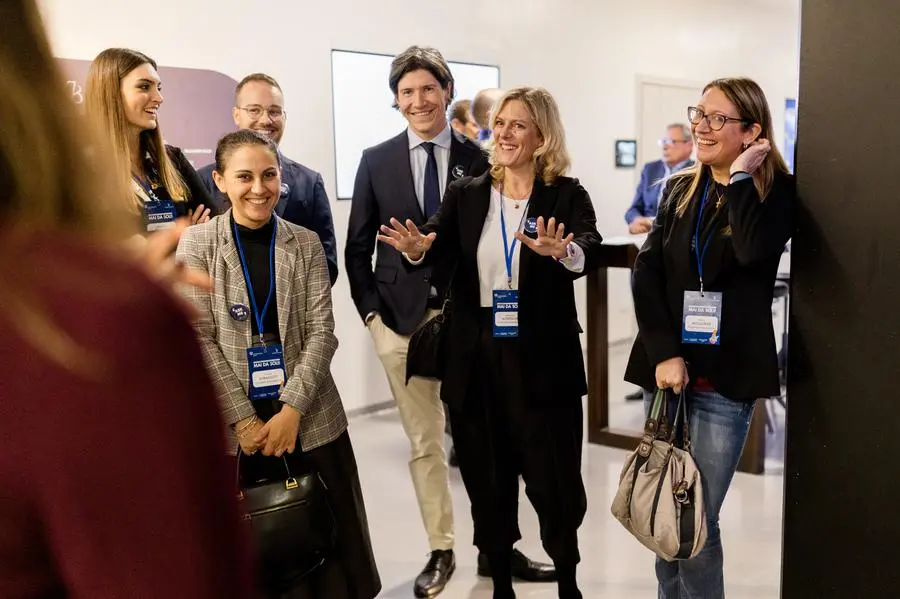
(436, 575)
(522, 568)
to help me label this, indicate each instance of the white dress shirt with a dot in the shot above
(418, 158)
(491, 259)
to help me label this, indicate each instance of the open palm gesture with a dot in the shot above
(407, 239)
(550, 241)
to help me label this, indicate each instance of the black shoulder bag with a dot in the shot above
(291, 522)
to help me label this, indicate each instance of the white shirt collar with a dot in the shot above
(442, 139)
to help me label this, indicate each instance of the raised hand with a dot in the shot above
(550, 241)
(752, 157)
(199, 216)
(407, 239)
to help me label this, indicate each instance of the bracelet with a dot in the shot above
(239, 432)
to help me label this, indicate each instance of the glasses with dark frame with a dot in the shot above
(715, 121)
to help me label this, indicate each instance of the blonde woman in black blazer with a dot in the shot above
(515, 401)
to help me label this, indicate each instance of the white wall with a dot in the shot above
(588, 53)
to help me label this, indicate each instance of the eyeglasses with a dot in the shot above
(254, 111)
(715, 121)
(671, 142)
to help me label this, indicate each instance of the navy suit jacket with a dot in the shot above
(646, 197)
(383, 189)
(303, 202)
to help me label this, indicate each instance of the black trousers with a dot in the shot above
(498, 436)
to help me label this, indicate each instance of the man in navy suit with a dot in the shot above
(259, 105)
(677, 146)
(405, 178)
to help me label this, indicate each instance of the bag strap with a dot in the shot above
(655, 419)
(449, 295)
(682, 416)
(289, 479)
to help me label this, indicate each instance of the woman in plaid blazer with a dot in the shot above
(267, 333)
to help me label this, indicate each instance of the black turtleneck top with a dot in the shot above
(256, 244)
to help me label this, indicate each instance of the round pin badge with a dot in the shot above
(240, 312)
(531, 225)
(458, 171)
(285, 189)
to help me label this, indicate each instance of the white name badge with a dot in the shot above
(701, 320)
(267, 372)
(506, 312)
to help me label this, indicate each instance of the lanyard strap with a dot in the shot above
(509, 250)
(698, 253)
(259, 316)
(148, 189)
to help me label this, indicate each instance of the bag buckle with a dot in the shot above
(681, 492)
(644, 447)
(290, 483)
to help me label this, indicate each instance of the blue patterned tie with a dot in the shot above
(432, 199)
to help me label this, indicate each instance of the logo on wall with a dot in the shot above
(196, 110)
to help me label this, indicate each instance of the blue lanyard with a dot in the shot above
(509, 250)
(698, 253)
(148, 189)
(259, 316)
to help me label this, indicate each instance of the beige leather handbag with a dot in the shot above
(660, 495)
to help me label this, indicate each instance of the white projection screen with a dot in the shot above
(361, 100)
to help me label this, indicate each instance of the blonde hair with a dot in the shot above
(48, 182)
(105, 108)
(752, 106)
(551, 158)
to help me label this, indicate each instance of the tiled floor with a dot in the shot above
(614, 566)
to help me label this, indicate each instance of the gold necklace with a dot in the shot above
(518, 201)
(720, 199)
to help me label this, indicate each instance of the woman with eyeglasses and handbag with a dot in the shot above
(123, 94)
(703, 285)
(267, 333)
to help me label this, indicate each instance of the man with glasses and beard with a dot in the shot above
(259, 105)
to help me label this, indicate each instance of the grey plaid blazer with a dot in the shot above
(305, 321)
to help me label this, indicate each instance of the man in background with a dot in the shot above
(462, 121)
(259, 105)
(481, 111)
(676, 148)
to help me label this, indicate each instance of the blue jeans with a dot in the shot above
(718, 428)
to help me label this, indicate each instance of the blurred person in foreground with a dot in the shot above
(112, 476)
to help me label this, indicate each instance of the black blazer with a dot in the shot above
(553, 364)
(741, 263)
(383, 189)
(197, 193)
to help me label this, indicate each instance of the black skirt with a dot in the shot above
(350, 572)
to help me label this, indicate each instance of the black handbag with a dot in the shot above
(291, 522)
(426, 355)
